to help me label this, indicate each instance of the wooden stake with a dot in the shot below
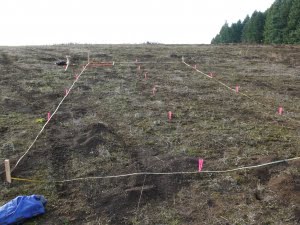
(7, 170)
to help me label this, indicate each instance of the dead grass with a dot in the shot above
(111, 124)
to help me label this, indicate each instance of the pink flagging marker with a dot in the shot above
(200, 164)
(49, 116)
(237, 88)
(170, 114)
(211, 74)
(280, 110)
(66, 92)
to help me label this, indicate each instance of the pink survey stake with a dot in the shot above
(200, 164)
(48, 116)
(280, 110)
(237, 88)
(170, 115)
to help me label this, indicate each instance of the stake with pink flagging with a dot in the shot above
(200, 164)
(170, 115)
(48, 116)
(280, 110)
(66, 92)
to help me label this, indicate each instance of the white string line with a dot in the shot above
(49, 118)
(224, 84)
(291, 119)
(135, 173)
(26, 152)
(177, 173)
(231, 89)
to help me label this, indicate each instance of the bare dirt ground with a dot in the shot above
(112, 124)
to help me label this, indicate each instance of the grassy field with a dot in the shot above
(112, 124)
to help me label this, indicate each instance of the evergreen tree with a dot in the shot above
(216, 40)
(293, 27)
(279, 24)
(246, 20)
(245, 25)
(269, 33)
(225, 33)
(224, 36)
(276, 22)
(254, 28)
(236, 32)
(259, 22)
(245, 29)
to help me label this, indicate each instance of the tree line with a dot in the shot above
(280, 24)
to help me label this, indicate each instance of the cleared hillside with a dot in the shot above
(111, 124)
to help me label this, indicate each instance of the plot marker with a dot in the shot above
(280, 110)
(170, 115)
(200, 164)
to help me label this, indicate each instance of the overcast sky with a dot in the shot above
(37, 22)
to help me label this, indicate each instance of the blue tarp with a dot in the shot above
(22, 208)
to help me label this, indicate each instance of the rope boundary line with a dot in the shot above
(156, 173)
(241, 93)
(145, 173)
(43, 128)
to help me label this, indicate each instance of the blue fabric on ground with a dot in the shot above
(22, 208)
